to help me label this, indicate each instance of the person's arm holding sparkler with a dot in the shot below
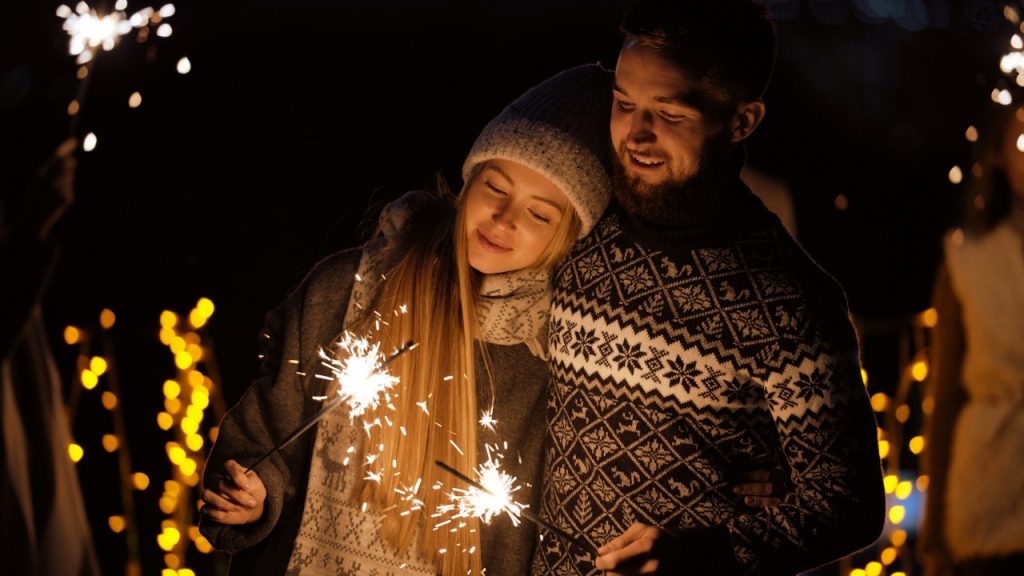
(242, 509)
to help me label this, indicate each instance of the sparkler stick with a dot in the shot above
(324, 410)
(524, 512)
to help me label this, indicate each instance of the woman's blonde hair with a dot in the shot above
(434, 282)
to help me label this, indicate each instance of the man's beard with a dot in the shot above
(664, 201)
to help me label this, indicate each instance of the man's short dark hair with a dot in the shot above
(727, 45)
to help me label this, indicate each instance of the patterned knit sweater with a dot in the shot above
(686, 354)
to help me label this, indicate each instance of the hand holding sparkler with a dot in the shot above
(238, 498)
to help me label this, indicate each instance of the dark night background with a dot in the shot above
(231, 181)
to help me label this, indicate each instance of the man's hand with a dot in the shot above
(641, 549)
(757, 489)
(238, 497)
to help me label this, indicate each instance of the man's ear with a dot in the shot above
(747, 117)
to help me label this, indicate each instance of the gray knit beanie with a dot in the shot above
(558, 128)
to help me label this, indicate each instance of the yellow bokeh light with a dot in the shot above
(930, 318)
(971, 134)
(192, 338)
(922, 483)
(902, 413)
(73, 107)
(898, 538)
(203, 545)
(186, 572)
(167, 335)
(889, 555)
(195, 351)
(214, 430)
(89, 379)
(109, 400)
(172, 405)
(917, 444)
(920, 370)
(171, 388)
(188, 466)
(110, 442)
(879, 401)
(189, 425)
(873, 568)
(898, 574)
(897, 513)
(168, 319)
(194, 442)
(928, 405)
(175, 453)
(98, 364)
(196, 379)
(140, 481)
(107, 318)
(164, 421)
(956, 175)
(890, 482)
(857, 572)
(75, 452)
(196, 319)
(192, 480)
(200, 398)
(172, 561)
(167, 505)
(864, 376)
(172, 487)
(135, 100)
(72, 335)
(116, 524)
(177, 344)
(168, 572)
(205, 307)
(883, 448)
(183, 360)
(904, 489)
(194, 413)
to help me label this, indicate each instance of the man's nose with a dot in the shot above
(642, 127)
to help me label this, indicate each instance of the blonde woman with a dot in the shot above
(471, 273)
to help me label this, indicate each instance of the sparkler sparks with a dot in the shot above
(362, 382)
(490, 496)
(487, 419)
(89, 31)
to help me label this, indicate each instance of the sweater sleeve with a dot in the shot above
(279, 400)
(828, 442)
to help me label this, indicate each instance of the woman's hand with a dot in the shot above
(237, 498)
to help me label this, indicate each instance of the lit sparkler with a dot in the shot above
(88, 32)
(492, 495)
(362, 381)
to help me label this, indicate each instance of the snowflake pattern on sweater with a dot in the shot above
(673, 373)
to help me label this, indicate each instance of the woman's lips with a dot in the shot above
(491, 244)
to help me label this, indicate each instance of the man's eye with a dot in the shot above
(674, 118)
(625, 106)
